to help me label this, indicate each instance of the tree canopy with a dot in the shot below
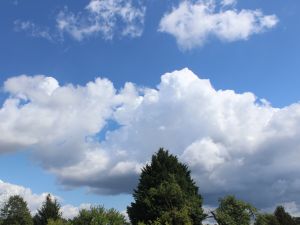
(232, 211)
(166, 193)
(283, 217)
(49, 210)
(99, 216)
(15, 212)
(266, 219)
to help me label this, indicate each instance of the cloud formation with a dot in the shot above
(33, 30)
(35, 201)
(99, 137)
(193, 23)
(104, 18)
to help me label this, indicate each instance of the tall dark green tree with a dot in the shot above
(49, 210)
(166, 193)
(283, 217)
(15, 212)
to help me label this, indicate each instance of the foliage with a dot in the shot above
(296, 219)
(49, 210)
(166, 194)
(283, 217)
(266, 219)
(58, 222)
(280, 217)
(234, 212)
(99, 216)
(15, 212)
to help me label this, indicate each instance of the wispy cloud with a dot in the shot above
(107, 18)
(192, 24)
(100, 18)
(33, 30)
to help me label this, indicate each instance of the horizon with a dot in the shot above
(90, 90)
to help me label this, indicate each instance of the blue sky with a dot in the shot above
(244, 46)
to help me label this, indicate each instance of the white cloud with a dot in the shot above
(103, 18)
(35, 201)
(33, 30)
(70, 211)
(234, 143)
(228, 2)
(192, 24)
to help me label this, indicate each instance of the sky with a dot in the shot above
(90, 89)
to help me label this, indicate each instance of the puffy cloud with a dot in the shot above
(35, 201)
(192, 24)
(99, 137)
(70, 211)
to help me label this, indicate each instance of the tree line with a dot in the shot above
(166, 195)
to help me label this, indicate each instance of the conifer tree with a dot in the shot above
(283, 217)
(49, 210)
(166, 193)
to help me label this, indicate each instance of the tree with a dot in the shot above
(166, 194)
(283, 217)
(49, 210)
(15, 212)
(58, 222)
(233, 212)
(296, 219)
(266, 219)
(99, 216)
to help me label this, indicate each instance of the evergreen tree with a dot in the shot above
(49, 210)
(283, 217)
(166, 194)
(15, 212)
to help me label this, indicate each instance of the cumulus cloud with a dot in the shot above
(104, 18)
(192, 24)
(35, 201)
(99, 137)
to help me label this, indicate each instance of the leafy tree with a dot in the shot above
(49, 210)
(266, 219)
(15, 212)
(283, 217)
(99, 216)
(58, 222)
(166, 194)
(233, 212)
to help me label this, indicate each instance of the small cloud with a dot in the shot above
(192, 24)
(33, 30)
(228, 2)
